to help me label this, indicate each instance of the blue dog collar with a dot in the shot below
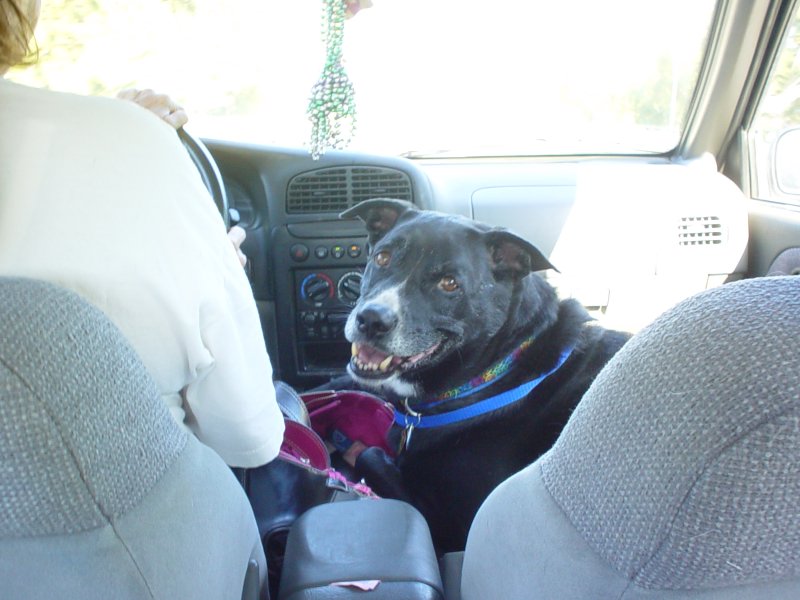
(482, 407)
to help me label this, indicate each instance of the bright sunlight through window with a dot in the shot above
(432, 77)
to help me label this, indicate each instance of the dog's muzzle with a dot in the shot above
(379, 348)
(375, 320)
(371, 362)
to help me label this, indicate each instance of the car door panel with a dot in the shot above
(774, 233)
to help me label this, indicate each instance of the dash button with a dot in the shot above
(299, 252)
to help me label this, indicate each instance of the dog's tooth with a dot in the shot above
(354, 349)
(385, 363)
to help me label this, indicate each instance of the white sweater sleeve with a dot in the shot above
(231, 406)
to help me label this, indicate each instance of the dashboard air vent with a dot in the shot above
(700, 231)
(338, 188)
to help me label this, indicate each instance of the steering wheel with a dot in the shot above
(209, 172)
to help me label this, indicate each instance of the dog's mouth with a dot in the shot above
(371, 363)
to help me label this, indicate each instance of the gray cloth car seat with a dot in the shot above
(102, 494)
(678, 476)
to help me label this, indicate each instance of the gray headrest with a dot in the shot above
(681, 466)
(83, 432)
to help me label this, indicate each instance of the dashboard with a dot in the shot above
(630, 236)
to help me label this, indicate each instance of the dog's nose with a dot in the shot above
(376, 319)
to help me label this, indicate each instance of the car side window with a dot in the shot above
(774, 137)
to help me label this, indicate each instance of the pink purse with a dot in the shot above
(302, 477)
(353, 415)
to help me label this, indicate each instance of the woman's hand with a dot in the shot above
(161, 105)
(236, 235)
(168, 110)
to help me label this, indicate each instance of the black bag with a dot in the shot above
(300, 478)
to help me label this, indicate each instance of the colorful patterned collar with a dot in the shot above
(485, 379)
(413, 419)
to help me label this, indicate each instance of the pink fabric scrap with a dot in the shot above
(364, 586)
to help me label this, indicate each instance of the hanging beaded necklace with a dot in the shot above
(332, 107)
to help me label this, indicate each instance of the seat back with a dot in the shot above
(678, 475)
(102, 494)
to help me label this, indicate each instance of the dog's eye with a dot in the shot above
(382, 258)
(448, 283)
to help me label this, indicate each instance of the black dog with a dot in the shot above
(481, 359)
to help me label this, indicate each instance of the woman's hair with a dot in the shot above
(17, 44)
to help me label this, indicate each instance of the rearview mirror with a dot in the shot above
(786, 161)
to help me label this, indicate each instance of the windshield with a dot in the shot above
(431, 77)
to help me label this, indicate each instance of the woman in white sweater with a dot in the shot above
(98, 196)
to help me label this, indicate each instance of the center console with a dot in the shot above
(394, 556)
(319, 266)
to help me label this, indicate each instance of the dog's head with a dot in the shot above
(437, 288)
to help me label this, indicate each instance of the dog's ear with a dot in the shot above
(379, 215)
(513, 255)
